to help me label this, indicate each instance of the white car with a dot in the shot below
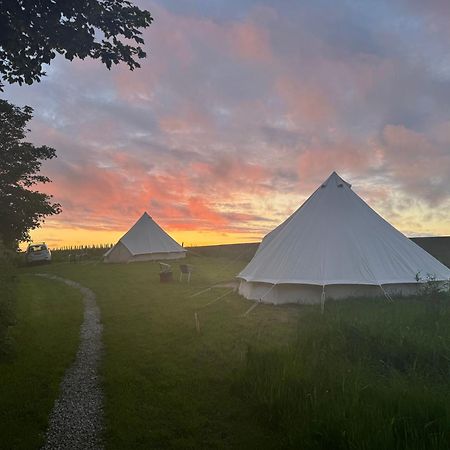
(38, 253)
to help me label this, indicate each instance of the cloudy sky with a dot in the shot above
(241, 109)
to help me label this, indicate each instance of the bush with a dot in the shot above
(432, 289)
(7, 297)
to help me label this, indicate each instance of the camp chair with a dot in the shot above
(164, 267)
(186, 269)
(165, 272)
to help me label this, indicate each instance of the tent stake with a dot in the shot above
(197, 323)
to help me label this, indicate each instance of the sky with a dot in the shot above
(241, 109)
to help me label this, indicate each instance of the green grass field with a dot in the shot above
(45, 339)
(364, 375)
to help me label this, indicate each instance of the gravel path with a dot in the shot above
(76, 421)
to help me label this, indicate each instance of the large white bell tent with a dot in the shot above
(335, 246)
(144, 241)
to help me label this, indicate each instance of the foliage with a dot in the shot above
(78, 253)
(22, 208)
(431, 288)
(33, 32)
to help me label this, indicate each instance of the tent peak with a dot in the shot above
(336, 180)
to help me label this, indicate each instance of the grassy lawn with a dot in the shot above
(363, 375)
(46, 335)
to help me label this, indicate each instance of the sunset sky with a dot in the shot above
(241, 109)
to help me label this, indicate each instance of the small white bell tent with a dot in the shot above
(144, 241)
(335, 246)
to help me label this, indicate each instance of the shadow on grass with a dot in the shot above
(8, 288)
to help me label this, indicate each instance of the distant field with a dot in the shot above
(366, 374)
(234, 252)
(439, 247)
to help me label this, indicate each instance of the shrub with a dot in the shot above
(430, 288)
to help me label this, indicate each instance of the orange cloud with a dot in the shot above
(198, 208)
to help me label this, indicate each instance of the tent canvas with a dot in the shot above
(144, 241)
(335, 246)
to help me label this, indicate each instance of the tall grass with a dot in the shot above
(361, 376)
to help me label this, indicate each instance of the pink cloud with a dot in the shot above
(250, 42)
(420, 165)
(188, 119)
(306, 102)
(342, 154)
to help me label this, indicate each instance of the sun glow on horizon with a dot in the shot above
(58, 235)
(67, 237)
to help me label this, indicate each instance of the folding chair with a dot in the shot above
(164, 267)
(186, 269)
(165, 272)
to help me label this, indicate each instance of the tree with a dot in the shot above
(22, 209)
(33, 32)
